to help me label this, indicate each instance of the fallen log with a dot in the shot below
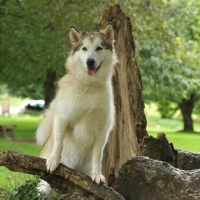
(139, 178)
(63, 179)
(145, 178)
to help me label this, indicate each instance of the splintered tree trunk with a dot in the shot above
(130, 126)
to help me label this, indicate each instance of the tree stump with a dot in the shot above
(125, 140)
(160, 149)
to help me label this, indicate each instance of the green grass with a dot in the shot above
(189, 141)
(185, 141)
(26, 190)
(13, 101)
(24, 143)
(26, 124)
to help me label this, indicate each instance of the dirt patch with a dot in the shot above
(22, 140)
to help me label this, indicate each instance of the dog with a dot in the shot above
(76, 126)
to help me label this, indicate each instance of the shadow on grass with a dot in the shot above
(33, 113)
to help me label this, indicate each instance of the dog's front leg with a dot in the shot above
(58, 134)
(97, 154)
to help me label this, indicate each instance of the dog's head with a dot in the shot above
(92, 53)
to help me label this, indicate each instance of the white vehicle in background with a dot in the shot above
(32, 105)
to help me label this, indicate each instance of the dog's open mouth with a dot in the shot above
(92, 71)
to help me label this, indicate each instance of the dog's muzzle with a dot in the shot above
(91, 69)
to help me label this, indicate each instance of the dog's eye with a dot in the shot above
(84, 49)
(98, 49)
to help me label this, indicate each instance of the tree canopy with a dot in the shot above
(34, 43)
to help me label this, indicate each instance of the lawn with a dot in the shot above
(24, 143)
(189, 141)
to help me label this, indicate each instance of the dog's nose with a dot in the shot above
(90, 62)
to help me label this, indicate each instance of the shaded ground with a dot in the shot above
(22, 140)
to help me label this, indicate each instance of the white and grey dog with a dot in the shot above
(76, 126)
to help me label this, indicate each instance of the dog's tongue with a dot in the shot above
(92, 71)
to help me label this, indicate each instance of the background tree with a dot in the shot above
(34, 44)
(167, 49)
(184, 72)
(34, 40)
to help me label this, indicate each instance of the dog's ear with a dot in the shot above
(74, 34)
(108, 32)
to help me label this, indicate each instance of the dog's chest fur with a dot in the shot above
(82, 103)
(86, 109)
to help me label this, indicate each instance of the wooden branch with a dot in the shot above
(145, 178)
(160, 149)
(63, 179)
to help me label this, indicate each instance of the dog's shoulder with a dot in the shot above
(66, 80)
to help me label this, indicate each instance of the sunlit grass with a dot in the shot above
(24, 143)
(185, 141)
(188, 141)
(21, 147)
(26, 124)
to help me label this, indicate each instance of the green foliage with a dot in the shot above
(27, 190)
(170, 67)
(3, 89)
(167, 36)
(34, 37)
(31, 91)
(166, 33)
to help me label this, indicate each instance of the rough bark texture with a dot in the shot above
(160, 149)
(186, 107)
(49, 87)
(142, 178)
(130, 127)
(65, 180)
(187, 161)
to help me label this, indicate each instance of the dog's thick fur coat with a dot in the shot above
(76, 126)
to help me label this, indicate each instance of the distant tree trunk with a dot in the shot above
(186, 107)
(130, 127)
(49, 87)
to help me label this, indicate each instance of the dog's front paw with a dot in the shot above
(52, 163)
(97, 178)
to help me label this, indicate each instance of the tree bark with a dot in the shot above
(142, 178)
(130, 127)
(186, 107)
(49, 87)
(63, 179)
(160, 149)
